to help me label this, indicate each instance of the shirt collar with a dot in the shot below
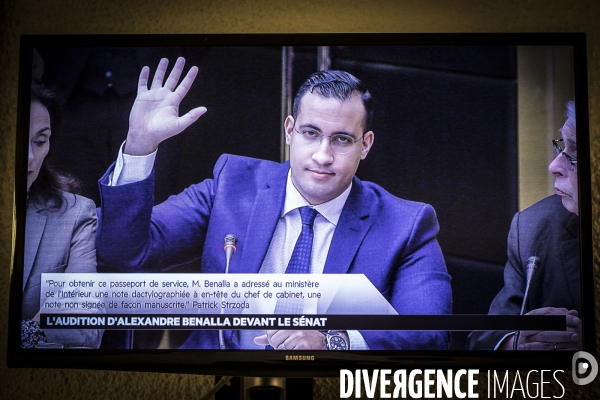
(331, 209)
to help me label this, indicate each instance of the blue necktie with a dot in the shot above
(300, 261)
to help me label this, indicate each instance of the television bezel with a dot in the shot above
(324, 363)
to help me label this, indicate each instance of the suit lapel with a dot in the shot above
(34, 228)
(263, 221)
(353, 225)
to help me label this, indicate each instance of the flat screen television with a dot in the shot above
(462, 122)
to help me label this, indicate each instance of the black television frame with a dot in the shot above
(258, 363)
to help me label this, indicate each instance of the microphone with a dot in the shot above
(533, 264)
(230, 242)
(229, 248)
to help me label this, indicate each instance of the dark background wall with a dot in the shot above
(35, 17)
(239, 86)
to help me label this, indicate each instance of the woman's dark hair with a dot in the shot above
(46, 190)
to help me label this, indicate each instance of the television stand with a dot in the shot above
(265, 388)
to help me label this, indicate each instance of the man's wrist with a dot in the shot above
(336, 340)
(141, 147)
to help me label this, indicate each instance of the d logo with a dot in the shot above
(582, 363)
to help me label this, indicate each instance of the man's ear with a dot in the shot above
(367, 142)
(289, 128)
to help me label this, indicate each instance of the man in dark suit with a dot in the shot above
(357, 226)
(548, 230)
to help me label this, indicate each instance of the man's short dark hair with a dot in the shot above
(338, 85)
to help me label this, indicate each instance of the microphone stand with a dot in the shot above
(229, 248)
(249, 388)
(533, 263)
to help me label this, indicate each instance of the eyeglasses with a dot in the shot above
(560, 150)
(340, 143)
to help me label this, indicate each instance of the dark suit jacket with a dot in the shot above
(392, 241)
(546, 230)
(56, 242)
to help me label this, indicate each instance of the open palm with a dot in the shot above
(155, 116)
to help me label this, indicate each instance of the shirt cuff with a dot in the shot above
(357, 342)
(129, 169)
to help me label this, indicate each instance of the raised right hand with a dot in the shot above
(155, 116)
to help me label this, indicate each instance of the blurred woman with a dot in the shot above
(60, 226)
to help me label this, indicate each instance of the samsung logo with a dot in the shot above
(296, 357)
